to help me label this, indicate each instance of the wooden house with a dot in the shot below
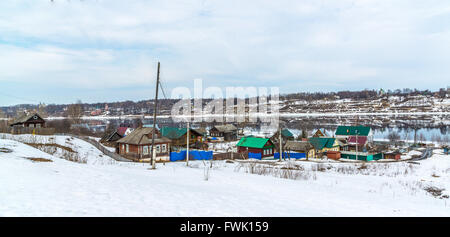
(201, 131)
(286, 135)
(323, 144)
(137, 145)
(178, 136)
(345, 132)
(353, 142)
(300, 147)
(125, 131)
(263, 146)
(110, 139)
(227, 132)
(320, 133)
(33, 120)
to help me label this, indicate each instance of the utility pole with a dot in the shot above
(415, 135)
(153, 156)
(281, 143)
(356, 145)
(187, 145)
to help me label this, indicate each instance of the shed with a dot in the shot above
(335, 155)
(395, 155)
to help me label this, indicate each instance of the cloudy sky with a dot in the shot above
(107, 50)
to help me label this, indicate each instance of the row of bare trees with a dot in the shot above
(394, 138)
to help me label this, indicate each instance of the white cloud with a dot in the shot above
(112, 44)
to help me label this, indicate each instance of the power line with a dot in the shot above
(162, 89)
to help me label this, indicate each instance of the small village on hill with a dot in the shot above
(134, 142)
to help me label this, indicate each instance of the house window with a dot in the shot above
(127, 148)
(145, 150)
(38, 125)
(164, 148)
(158, 148)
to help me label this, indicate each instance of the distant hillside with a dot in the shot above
(406, 100)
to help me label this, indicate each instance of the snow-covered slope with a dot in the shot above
(64, 188)
(83, 151)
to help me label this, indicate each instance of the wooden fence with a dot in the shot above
(28, 130)
(230, 156)
(105, 151)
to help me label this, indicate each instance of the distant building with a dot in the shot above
(124, 131)
(96, 112)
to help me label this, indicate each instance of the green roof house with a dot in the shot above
(264, 146)
(324, 144)
(353, 131)
(285, 134)
(178, 136)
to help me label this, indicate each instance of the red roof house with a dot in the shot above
(361, 140)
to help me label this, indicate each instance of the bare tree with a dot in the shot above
(60, 126)
(421, 137)
(393, 138)
(75, 112)
(446, 140)
(406, 136)
(2, 114)
(438, 140)
(3, 122)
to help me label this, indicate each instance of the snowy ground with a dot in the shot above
(223, 146)
(83, 150)
(64, 188)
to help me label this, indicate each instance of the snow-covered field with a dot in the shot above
(65, 188)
